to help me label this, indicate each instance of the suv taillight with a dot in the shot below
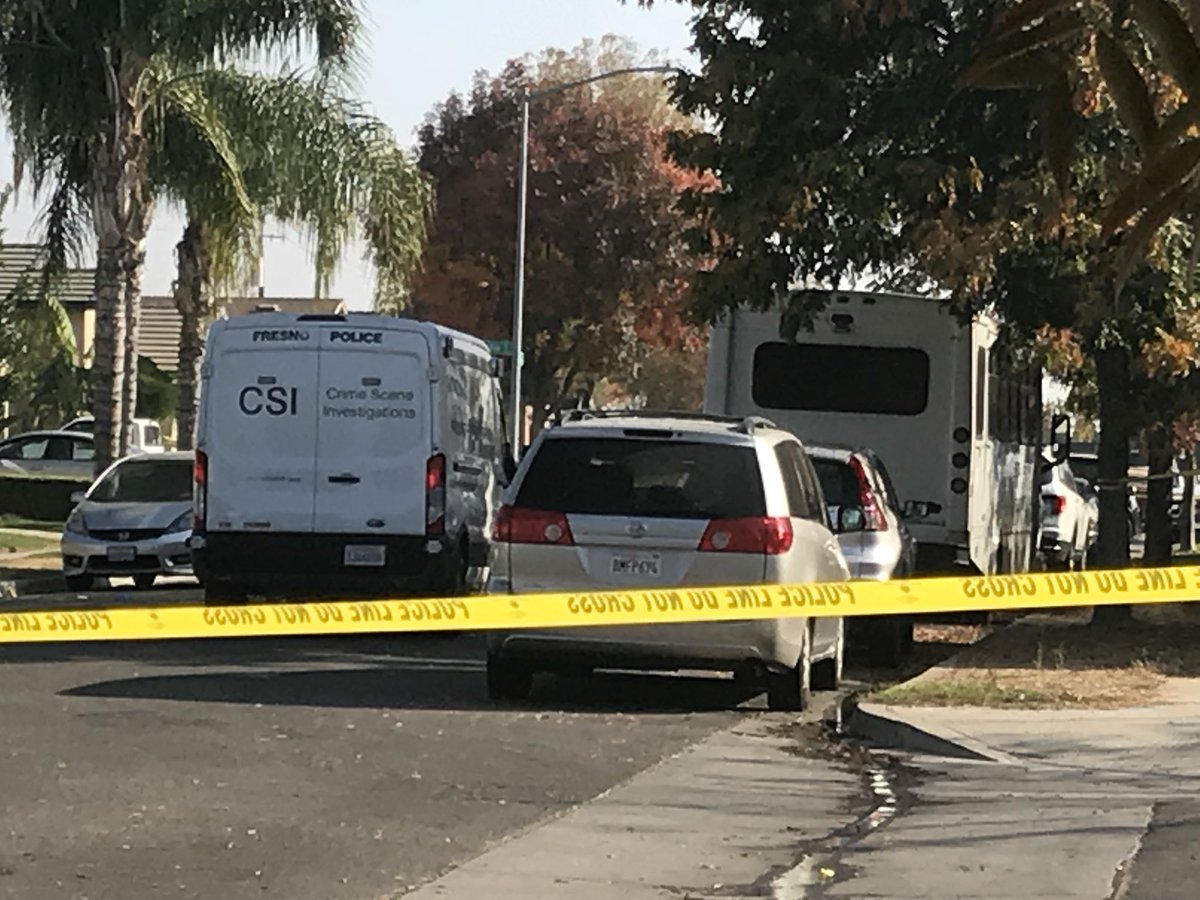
(515, 525)
(435, 494)
(199, 491)
(873, 515)
(771, 535)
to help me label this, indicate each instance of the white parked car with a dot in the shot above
(1068, 518)
(609, 501)
(146, 437)
(49, 453)
(134, 521)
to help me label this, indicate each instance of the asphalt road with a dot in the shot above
(312, 768)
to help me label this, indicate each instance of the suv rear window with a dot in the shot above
(839, 484)
(628, 477)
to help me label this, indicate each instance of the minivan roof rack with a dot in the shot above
(744, 424)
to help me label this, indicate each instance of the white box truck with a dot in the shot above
(903, 376)
(344, 453)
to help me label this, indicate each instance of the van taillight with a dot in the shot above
(199, 490)
(873, 516)
(514, 525)
(771, 535)
(435, 494)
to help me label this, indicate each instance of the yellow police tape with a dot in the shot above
(630, 607)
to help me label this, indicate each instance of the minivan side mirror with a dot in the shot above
(850, 519)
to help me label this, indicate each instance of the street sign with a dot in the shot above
(500, 348)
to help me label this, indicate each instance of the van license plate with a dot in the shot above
(642, 567)
(122, 554)
(365, 555)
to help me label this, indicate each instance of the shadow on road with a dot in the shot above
(435, 684)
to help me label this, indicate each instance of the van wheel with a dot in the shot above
(789, 690)
(79, 582)
(508, 680)
(222, 593)
(827, 673)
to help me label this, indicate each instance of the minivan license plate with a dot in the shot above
(643, 567)
(365, 555)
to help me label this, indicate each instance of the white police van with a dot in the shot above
(344, 453)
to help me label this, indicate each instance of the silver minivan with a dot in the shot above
(640, 501)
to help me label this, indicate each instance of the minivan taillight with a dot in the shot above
(199, 490)
(435, 494)
(873, 517)
(515, 525)
(771, 535)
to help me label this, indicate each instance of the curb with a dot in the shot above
(885, 732)
(15, 588)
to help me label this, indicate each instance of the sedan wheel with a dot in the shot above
(79, 582)
(144, 582)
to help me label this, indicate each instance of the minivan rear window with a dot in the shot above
(839, 484)
(654, 479)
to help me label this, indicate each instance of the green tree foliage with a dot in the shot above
(607, 269)
(83, 85)
(845, 152)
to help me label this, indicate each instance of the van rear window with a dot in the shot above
(629, 477)
(839, 484)
(839, 378)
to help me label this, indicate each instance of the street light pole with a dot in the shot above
(518, 329)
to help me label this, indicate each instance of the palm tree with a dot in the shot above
(83, 85)
(305, 155)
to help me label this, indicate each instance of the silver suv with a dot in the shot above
(612, 500)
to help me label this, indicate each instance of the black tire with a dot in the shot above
(144, 581)
(222, 593)
(789, 691)
(827, 673)
(508, 680)
(888, 641)
(79, 582)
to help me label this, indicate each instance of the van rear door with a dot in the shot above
(260, 434)
(374, 430)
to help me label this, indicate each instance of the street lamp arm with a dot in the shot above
(632, 70)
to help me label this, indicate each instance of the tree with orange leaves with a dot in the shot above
(608, 270)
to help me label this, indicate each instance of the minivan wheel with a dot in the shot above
(507, 679)
(827, 673)
(788, 691)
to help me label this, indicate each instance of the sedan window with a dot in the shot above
(146, 481)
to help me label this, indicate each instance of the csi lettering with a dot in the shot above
(274, 401)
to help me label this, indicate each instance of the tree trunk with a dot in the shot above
(1187, 524)
(1112, 546)
(108, 355)
(192, 301)
(1159, 531)
(131, 275)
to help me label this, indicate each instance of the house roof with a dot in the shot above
(22, 263)
(158, 335)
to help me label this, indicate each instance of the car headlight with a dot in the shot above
(75, 523)
(183, 523)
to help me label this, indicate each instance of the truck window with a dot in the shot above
(838, 378)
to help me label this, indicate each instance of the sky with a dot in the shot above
(419, 51)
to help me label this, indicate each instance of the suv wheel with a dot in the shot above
(507, 679)
(789, 690)
(827, 673)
